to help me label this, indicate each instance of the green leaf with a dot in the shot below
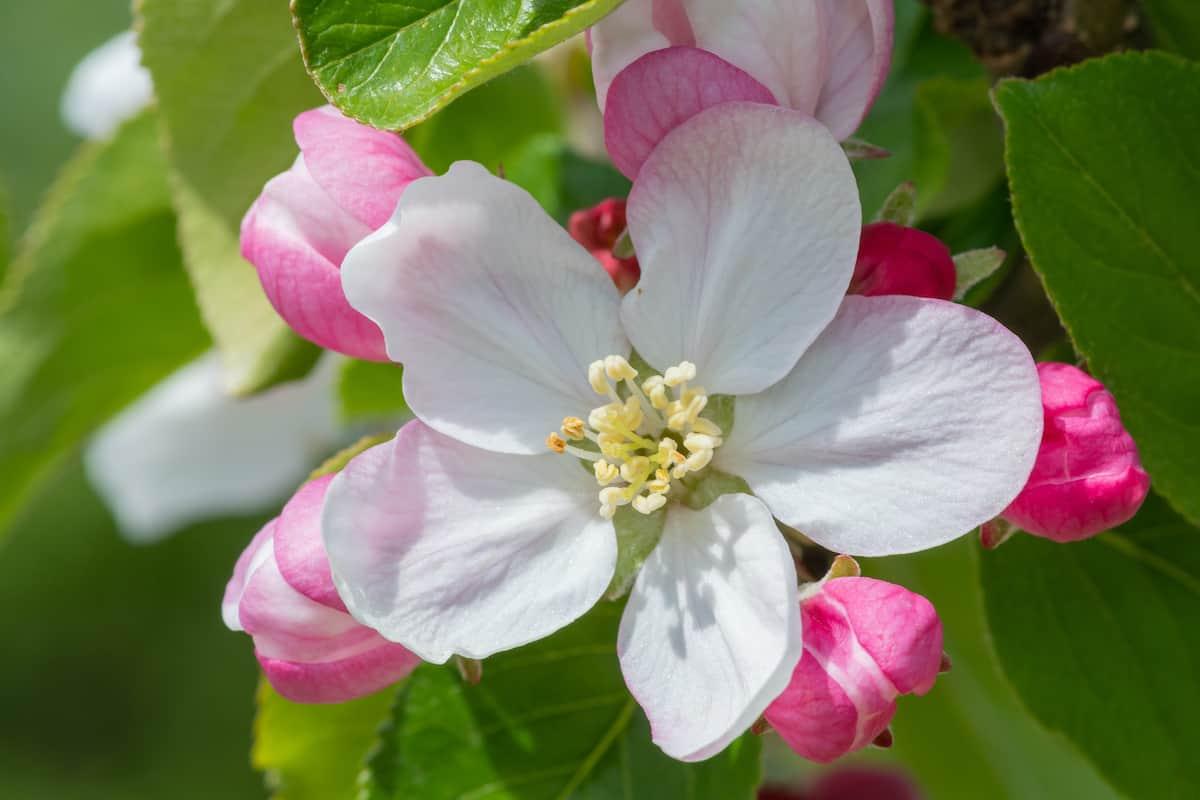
(1176, 25)
(976, 266)
(959, 145)
(5, 241)
(1106, 212)
(393, 65)
(229, 81)
(552, 720)
(95, 309)
(1100, 640)
(315, 752)
(371, 392)
(562, 180)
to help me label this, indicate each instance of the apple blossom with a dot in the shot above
(344, 185)
(598, 229)
(1087, 477)
(281, 593)
(106, 88)
(865, 643)
(658, 62)
(857, 419)
(894, 259)
(187, 450)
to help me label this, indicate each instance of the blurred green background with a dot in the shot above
(119, 679)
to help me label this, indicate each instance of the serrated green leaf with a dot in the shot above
(1176, 25)
(371, 392)
(1099, 639)
(229, 81)
(95, 309)
(1107, 215)
(550, 721)
(316, 752)
(393, 65)
(974, 267)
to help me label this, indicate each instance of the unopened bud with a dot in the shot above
(1088, 477)
(835, 703)
(600, 229)
(893, 259)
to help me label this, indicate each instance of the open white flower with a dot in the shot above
(874, 425)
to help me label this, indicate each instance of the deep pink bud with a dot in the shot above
(598, 229)
(893, 259)
(282, 594)
(1087, 477)
(344, 185)
(866, 642)
(859, 782)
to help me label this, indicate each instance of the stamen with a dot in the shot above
(636, 465)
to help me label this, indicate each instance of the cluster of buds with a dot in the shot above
(600, 229)
(644, 441)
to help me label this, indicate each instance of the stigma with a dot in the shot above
(645, 438)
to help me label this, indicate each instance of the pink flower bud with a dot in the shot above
(282, 594)
(859, 782)
(865, 643)
(598, 229)
(1087, 477)
(344, 185)
(893, 259)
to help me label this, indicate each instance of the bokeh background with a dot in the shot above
(118, 679)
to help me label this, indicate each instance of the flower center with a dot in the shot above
(645, 438)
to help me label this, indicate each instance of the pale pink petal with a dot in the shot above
(827, 58)
(746, 222)
(712, 629)
(907, 424)
(664, 89)
(362, 169)
(449, 549)
(493, 309)
(299, 550)
(259, 549)
(860, 42)
(296, 237)
(339, 681)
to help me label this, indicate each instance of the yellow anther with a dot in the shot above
(606, 473)
(700, 441)
(619, 369)
(674, 376)
(707, 427)
(598, 379)
(635, 470)
(661, 483)
(649, 503)
(614, 496)
(572, 428)
(556, 443)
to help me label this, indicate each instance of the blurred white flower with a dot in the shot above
(188, 451)
(108, 87)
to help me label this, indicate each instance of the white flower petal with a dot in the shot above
(493, 309)
(907, 424)
(746, 221)
(187, 450)
(712, 630)
(449, 549)
(106, 88)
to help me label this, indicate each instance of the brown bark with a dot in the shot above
(1029, 37)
